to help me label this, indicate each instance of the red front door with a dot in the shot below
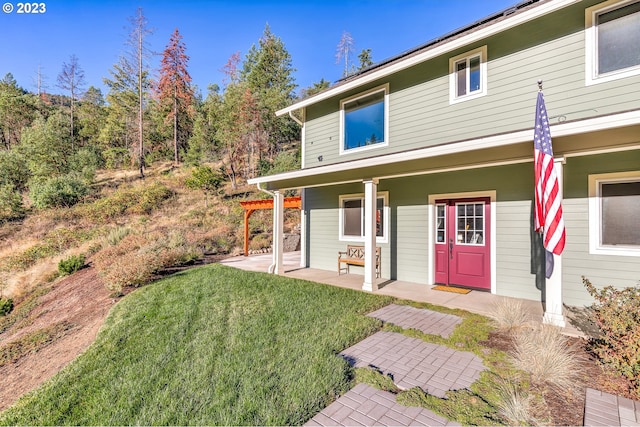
(462, 248)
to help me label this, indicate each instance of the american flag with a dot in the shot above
(548, 207)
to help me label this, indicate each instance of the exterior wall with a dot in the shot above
(420, 114)
(602, 270)
(519, 268)
(405, 257)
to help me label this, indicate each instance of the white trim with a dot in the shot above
(453, 78)
(384, 195)
(382, 88)
(455, 43)
(492, 195)
(591, 45)
(557, 130)
(595, 214)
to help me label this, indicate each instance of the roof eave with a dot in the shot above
(429, 53)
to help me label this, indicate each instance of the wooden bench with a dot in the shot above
(354, 255)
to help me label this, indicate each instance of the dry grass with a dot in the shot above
(547, 356)
(509, 314)
(517, 406)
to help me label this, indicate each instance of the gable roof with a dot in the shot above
(483, 28)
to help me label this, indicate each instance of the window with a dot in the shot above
(614, 206)
(364, 121)
(613, 31)
(352, 217)
(470, 223)
(468, 75)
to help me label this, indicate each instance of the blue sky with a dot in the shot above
(213, 30)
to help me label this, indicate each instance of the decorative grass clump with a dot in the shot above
(210, 346)
(546, 355)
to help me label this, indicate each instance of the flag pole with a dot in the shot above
(548, 182)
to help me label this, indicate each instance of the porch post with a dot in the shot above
(278, 236)
(303, 231)
(553, 304)
(370, 192)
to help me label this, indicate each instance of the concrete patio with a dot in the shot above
(474, 302)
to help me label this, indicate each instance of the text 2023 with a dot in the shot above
(31, 8)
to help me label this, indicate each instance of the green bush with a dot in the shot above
(617, 314)
(10, 204)
(13, 169)
(205, 179)
(6, 305)
(115, 158)
(71, 264)
(62, 191)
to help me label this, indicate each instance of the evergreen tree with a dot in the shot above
(203, 142)
(18, 109)
(174, 91)
(268, 72)
(365, 58)
(315, 88)
(92, 115)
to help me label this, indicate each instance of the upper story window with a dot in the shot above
(612, 40)
(614, 206)
(468, 75)
(364, 120)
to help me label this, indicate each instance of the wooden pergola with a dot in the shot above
(253, 205)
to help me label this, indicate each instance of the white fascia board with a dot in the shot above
(558, 130)
(473, 37)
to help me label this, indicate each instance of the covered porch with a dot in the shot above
(474, 302)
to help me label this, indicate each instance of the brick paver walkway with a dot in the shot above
(427, 321)
(411, 362)
(604, 409)
(366, 406)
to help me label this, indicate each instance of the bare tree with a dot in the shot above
(345, 48)
(71, 78)
(139, 53)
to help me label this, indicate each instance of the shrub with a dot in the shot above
(205, 179)
(117, 234)
(62, 191)
(13, 169)
(10, 204)
(115, 158)
(509, 313)
(546, 355)
(617, 314)
(71, 264)
(6, 305)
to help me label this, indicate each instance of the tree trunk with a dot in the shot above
(175, 128)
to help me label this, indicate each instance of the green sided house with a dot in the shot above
(429, 156)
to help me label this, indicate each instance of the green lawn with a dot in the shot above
(210, 346)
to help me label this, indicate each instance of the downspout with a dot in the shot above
(273, 265)
(295, 119)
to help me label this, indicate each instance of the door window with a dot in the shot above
(470, 223)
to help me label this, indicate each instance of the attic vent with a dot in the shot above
(509, 11)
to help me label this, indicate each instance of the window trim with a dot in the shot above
(591, 44)
(595, 214)
(383, 88)
(453, 81)
(384, 195)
